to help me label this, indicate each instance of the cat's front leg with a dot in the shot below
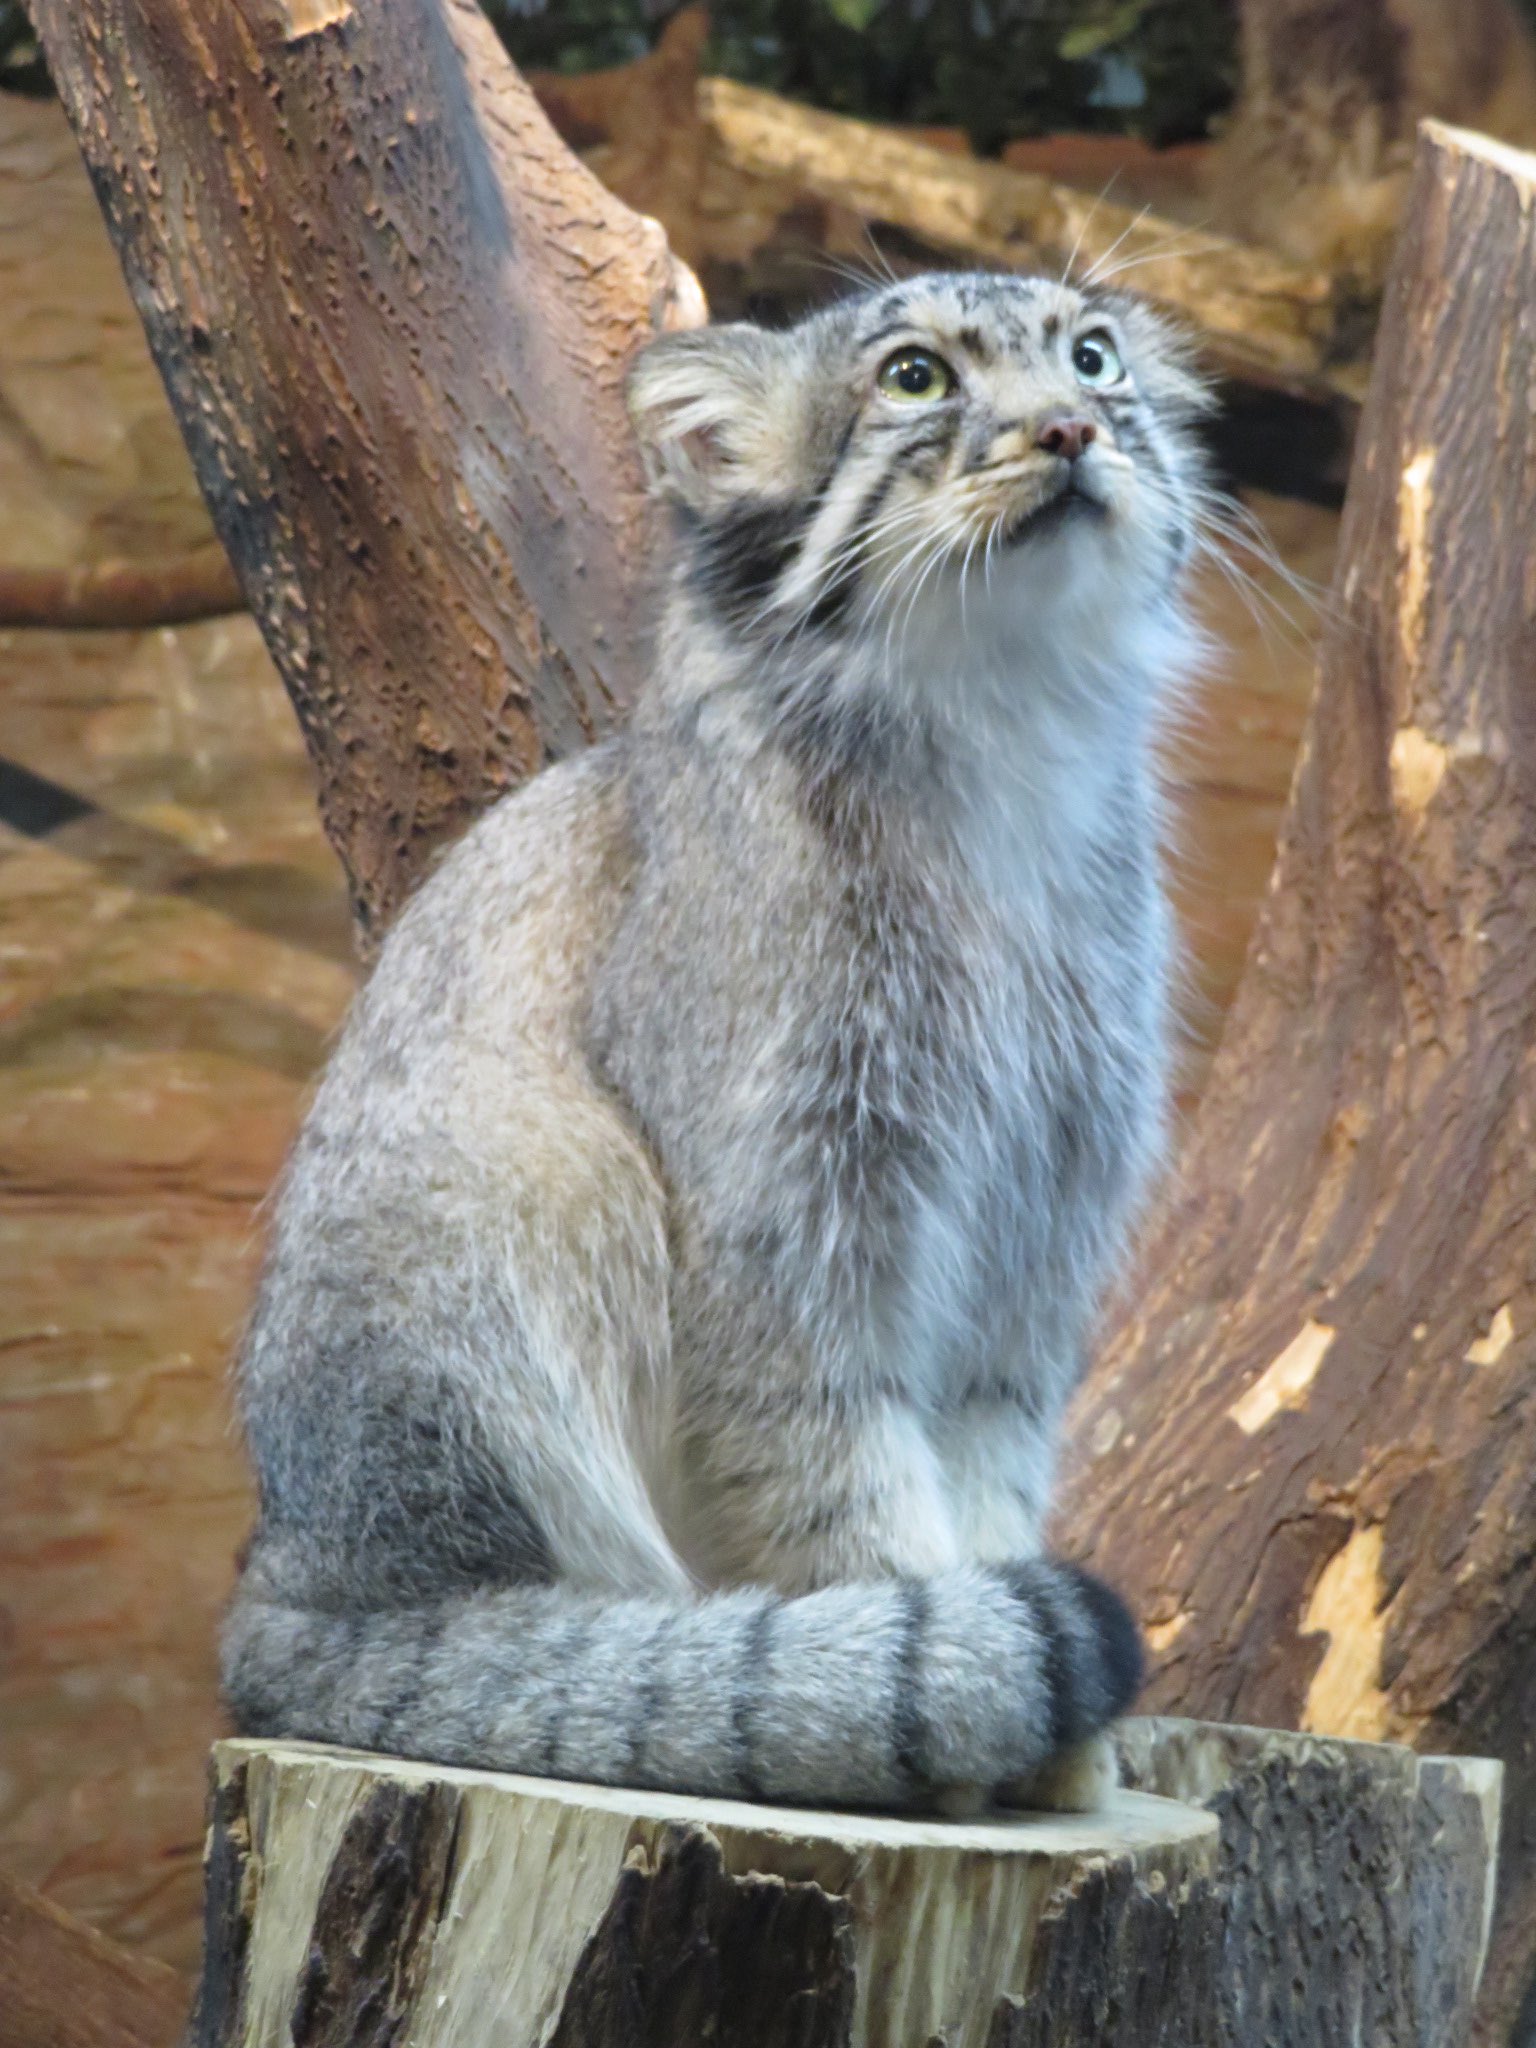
(998, 1450)
(996, 1442)
(817, 1488)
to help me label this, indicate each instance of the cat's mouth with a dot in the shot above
(1070, 504)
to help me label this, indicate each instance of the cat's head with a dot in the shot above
(1019, 446)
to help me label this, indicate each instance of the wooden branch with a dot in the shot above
(393, 314)
(1310, 1444)
(198, 585)
(1258, 316)
(360, 1898)
(63, 1985)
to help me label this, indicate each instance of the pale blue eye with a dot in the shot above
(1096, 359)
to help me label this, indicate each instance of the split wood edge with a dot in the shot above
(357, 1898)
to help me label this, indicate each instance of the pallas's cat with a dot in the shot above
(674, 1291)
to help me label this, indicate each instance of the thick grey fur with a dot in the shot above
(674, 1291)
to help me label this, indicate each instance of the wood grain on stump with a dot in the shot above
(1290, 1892)
(357, 1900)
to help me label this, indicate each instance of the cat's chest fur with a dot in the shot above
(902, 1080)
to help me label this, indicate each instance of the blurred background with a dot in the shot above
(174, 940)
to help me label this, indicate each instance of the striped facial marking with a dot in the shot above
(943, 427)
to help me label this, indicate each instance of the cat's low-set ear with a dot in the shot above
(715, 412)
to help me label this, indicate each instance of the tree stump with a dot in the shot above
(356, 1900)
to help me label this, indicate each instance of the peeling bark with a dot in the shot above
(1309, 1447)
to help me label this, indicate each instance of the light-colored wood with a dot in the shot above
(528, 1893)
(1292, 1889)
(1258, 315)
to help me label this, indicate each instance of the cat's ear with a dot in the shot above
(717, 414)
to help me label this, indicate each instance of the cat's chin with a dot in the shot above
(1070, 510)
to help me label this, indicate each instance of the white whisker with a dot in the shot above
(1130, 228)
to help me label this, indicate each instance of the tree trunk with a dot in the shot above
(393, 314)
(1310, 1447)
(1315, 157)
(354, 1900)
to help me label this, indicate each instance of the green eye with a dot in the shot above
(1096, 359)
(913, 376)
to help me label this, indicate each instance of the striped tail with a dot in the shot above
(874, 1694)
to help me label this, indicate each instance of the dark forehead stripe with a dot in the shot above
(888, 332)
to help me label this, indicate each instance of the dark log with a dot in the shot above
(1310, 1444)
(1357, 1880)
(63, 1985)
(393, 313)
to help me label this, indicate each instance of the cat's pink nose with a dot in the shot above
(1066, 435)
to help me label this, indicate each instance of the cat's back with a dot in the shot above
(499, 944)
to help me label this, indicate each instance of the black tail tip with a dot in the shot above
(1124, 1660)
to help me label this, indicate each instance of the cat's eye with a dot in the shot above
(1096, 359)
(915, 376)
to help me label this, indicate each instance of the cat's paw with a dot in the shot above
(1077, 1780)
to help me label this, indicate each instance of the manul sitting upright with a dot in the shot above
(674, 1292)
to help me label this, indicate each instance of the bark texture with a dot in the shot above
(393, 314)
(1310, 1445)
(1357, 1880)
